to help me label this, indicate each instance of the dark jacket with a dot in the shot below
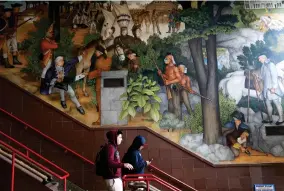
(113, 160)
(133, 156)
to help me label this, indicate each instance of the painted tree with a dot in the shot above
(247, 16)
(269, 47)
(249, 58)
(54, 16)
(203, 24)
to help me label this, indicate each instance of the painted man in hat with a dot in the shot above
(12, 18)
(134, 66)
(137, 32)
(47, 46)
(155, 22)
(171, 21)
(124, 38)
(271, 90)
(4, 31)
(103, 63)
(3, 43)
(237, 134)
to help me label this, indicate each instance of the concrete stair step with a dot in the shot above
(25, 166)
(141, 186)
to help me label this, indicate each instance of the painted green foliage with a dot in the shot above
(247, 16)
(32, 45)
(90, 37)
(252, 52)
(147, 55)
(141, 93)
(194, 122)
(154, 53)
(250, 55)
(199, 24)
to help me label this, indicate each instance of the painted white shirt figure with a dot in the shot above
(271, 90)
(280, 72)
(269, 76)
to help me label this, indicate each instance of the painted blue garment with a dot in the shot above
(51, 74)
(134, 157)
(231, 124)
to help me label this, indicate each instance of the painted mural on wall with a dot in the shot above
(207, 75)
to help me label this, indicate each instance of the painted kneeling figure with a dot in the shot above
(238, 134)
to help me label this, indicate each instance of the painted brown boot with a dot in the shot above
(16, 61)
(7, 64)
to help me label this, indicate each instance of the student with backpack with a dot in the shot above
(108, 163)
(134, 157)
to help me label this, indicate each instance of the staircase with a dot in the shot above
(70, 186)
(29, 163)
(139, 186)
(61, 183)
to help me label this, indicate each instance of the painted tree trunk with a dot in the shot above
(212, 123)
(54, 16)
(174, 105)
(208, 87)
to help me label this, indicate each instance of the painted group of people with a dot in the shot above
(174, 23)
(269, 86)
(54, 77)
(8, 34)
(112, 166)
(236, 131)
(178, 85)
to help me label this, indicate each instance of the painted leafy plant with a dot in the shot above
(227, 107)
(141, 93)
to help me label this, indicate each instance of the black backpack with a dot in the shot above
(101, 161)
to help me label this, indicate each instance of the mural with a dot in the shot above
(206, 75)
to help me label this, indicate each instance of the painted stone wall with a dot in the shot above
(111, 102)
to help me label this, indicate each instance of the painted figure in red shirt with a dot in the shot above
(47, 46)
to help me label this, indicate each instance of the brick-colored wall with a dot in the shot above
(23, 182)
(168, 156)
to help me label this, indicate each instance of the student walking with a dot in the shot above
(134, 157)
(108, 163)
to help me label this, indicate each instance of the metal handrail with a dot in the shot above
(147, 178)
(27, 157)
(80, 156)
(152, 167)
(47, 137)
